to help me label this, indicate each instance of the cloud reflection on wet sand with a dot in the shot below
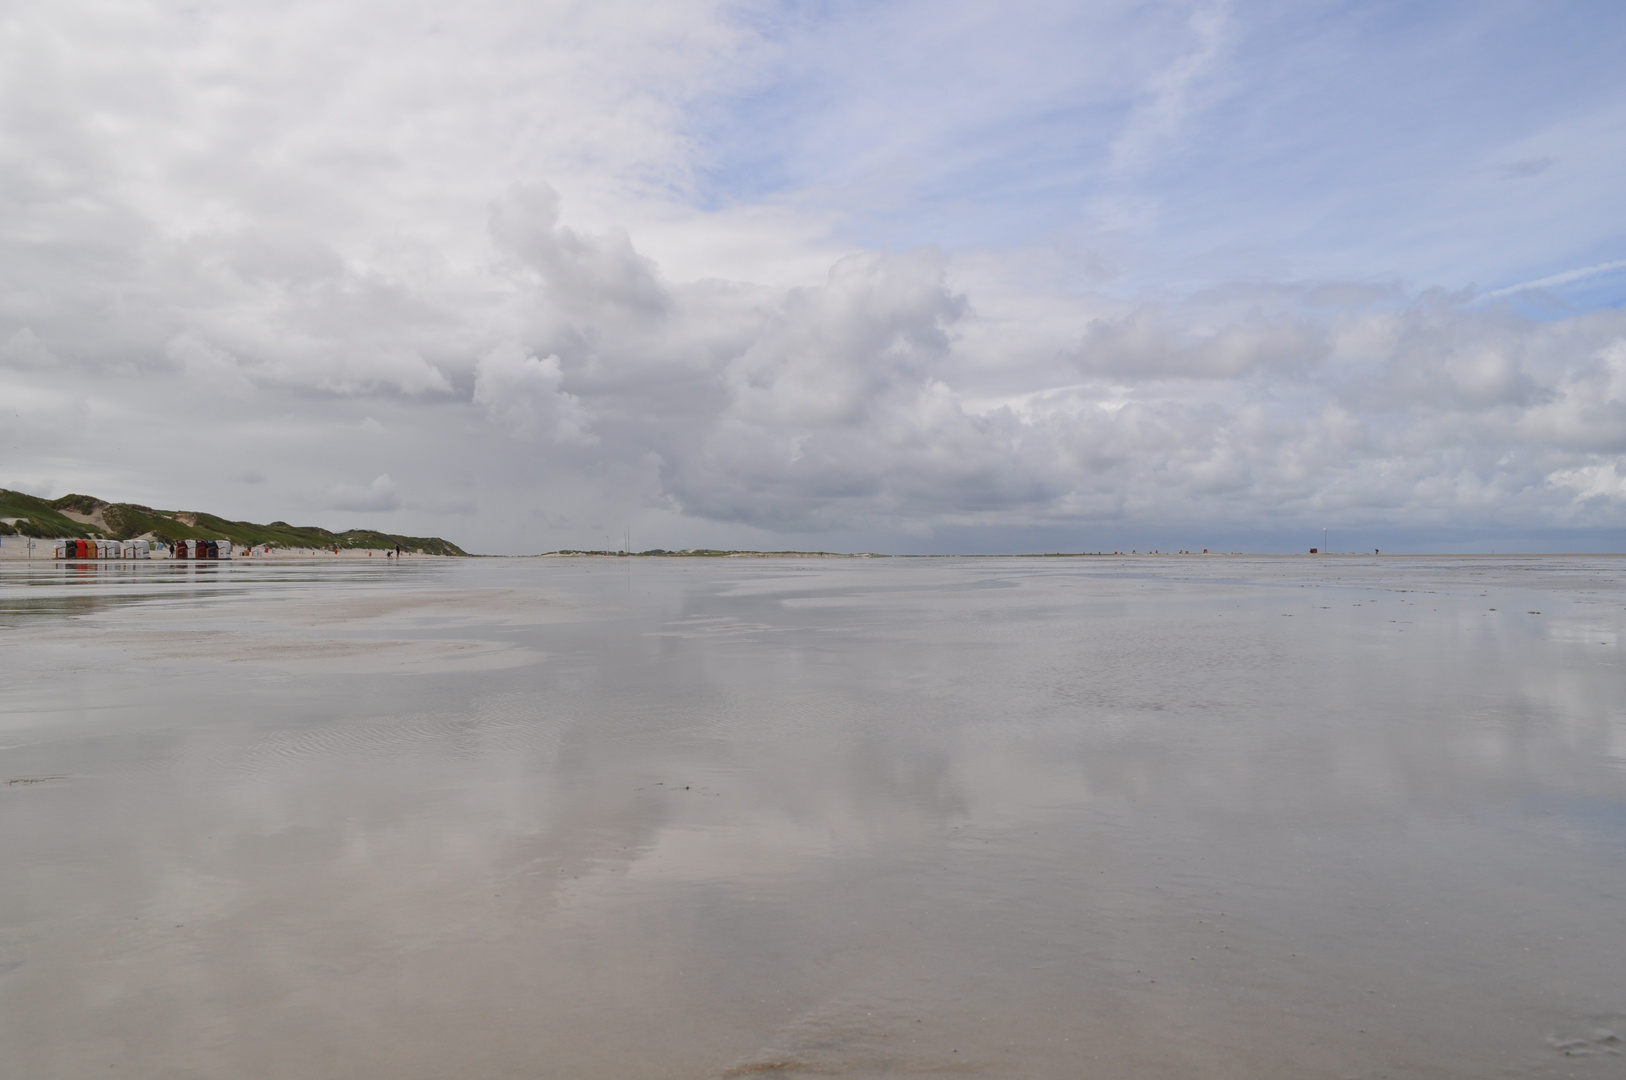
(941, 817)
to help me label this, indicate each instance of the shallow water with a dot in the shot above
(1182, 817)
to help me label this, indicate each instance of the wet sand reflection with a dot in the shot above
(699, 818)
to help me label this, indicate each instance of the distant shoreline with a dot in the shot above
(742, 554)
(14, 549)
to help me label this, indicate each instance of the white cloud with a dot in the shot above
(522, 393)
(1149, 342)
(207, 366)
(378, 496)
(1603, 481)
(668, 253)
(25, 349)
(602, 274)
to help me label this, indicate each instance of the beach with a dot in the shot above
(16, 549)
(1248, 817)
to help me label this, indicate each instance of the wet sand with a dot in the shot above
(701, 818)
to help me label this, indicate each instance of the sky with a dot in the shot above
(892, 276)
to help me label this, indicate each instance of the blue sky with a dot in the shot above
(1448, 145)
(893, 276)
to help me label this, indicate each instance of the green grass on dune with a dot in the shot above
(36, 517)
(41, 518)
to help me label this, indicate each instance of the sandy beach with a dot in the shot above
(16, 549)
(726, 818)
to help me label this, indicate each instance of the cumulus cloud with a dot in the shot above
(830, 402)
(25, 349)
(1603, 481)
(602, 274)
(204, 364)
(884, 400)
(1151, 342)
(859, 403)
(380, 495)
(523, 394)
